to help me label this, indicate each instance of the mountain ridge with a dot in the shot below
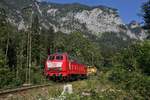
(67, 18)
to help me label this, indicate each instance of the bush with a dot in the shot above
(37, 75)
(131, 82)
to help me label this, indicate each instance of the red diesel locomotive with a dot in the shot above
(60, 67)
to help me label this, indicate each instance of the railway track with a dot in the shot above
(30, 92)
(11, 91)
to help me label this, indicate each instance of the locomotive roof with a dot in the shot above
(58, 53)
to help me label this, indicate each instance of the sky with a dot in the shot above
(128, 9)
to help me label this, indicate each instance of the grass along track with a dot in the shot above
(93, 86)
(33, 92)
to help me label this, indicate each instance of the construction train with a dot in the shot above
(58, 66)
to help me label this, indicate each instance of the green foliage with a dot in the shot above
(2, 59)
(7, 77)
(79, 47)
(13, 53)
(143, 56)
(131, 70)
(2, 17)
(131, 82)
(111, 42)
(37, 75)
(135, 57)
(36, 40)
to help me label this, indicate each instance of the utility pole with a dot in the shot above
(27, 57)
(30, 48)
(29, 13)
(30, 62)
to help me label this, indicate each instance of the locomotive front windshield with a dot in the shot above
(59, 57)
(51, 57)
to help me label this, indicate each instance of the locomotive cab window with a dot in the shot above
(59, 57)
(51, 58)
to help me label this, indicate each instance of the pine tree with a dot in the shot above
(2, 17)
(146, 15)
(3, 31)
(3, 70)
(36, 46)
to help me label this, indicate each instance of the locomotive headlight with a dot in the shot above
(49, 65)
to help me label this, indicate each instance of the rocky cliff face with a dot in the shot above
(135, 28)
(94, 20)
(70, 17)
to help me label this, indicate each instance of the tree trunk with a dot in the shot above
(27, 66)
(7, 46)
(30, 55)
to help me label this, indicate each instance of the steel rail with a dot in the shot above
(2, 92)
